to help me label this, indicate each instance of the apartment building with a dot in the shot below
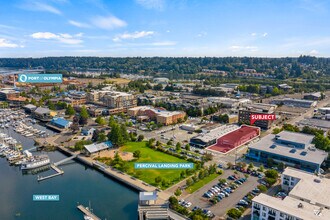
(308, 198)
(112, 99)
(245, 112)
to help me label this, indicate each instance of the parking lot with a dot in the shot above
(226, 203)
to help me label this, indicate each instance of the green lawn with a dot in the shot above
(201, 183)
(152, 156)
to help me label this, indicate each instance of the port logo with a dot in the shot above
(40, 78)
(267, 117)
(47, 198)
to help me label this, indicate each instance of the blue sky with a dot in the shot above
(266, 28)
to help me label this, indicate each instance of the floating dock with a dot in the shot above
(58, 172)
(87, 212)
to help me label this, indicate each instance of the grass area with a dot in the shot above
(152, 156)
(201, 183)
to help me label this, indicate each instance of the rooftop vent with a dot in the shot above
(303, 153)
(317, 180)
(292, 151)
(300, 205)
(273, 146)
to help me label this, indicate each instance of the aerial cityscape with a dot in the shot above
(164, 110)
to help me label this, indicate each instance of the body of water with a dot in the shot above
(109, 199)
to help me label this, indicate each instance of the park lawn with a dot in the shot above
(201, 183)
(153, 156)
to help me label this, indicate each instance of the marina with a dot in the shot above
(88, 214)
(23, 184)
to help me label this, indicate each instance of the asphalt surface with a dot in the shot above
(221, 207)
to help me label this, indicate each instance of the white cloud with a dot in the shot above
(253, 34)
(40, 6)
(152, 4)
(202, 34)
(164, 43)
(314, 52)
(236, 48)
(79, 24)
(135, 35)
(265, 34)
(259, 35)
(5, 43)
(109, 22)
(63, 38)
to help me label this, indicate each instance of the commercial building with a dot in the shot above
(235, 139)
(95, 148)
(208, 138)
(315, 123)
(159, 115)
(313, 96)
(258, 108)
(118, 101)
(8, 93)
(43, 114)
(301, 103)
(291, 148)
(59, 124)
(308, 198)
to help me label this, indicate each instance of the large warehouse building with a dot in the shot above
(235, 139)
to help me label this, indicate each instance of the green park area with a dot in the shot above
(202, 182)
(160, 177)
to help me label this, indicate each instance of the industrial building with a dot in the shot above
(291, 148)
(300, 103)
(308, 198)
(235, 139)
(313, 96)
(208, 138)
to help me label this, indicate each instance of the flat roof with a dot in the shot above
(315, 123)
(146, 196)
(216, 133)
(93, 148)
(310, 187)
(314, 156)
(296, 137)
(289, 206)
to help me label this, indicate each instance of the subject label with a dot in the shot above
(256, 117)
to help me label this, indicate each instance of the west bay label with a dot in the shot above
(46, 198)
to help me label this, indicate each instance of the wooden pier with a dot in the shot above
(58, 172)
(87, 212)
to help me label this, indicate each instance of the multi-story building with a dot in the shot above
(8, 93)
(161, 116)
(112, 99)
(258, 108)
(308, 198)
(291, 148)
(294, 102)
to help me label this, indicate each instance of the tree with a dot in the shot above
(177, 192)
(262, 188)
(222, 181)
(261, 168)
(83, 116)
(137, 154)
(102, 137)
(189, 182)
(178, 146)
(75, 125)
(100, 120)
(251, 166)
(270, 162)
(158, 179)
(51, 105)
(115, 136)
(271, 174)
(187, 147)
(234, 213)
(70, 111)
(111, 121)
(140, 138)
(229, 165)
